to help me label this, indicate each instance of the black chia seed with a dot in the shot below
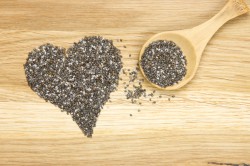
(164, 63)
(79, 80)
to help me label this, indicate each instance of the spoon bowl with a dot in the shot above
(187, 49)
(193, 41)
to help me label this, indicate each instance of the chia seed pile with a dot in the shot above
(78, 80)
(164, 63)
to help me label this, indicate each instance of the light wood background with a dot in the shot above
(207, 121)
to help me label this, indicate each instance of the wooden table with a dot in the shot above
(207, 123)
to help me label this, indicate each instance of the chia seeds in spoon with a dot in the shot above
(79, 80)
(164, 63)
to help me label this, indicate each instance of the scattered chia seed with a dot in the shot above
(164, 63)
(132, 76)
(129, 55)
(137, 93)
(151, 94)
(79, 80)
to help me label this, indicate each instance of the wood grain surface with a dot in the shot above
(207, 123)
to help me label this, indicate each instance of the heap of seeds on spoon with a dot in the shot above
(164, 63)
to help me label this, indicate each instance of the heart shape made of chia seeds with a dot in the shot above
(79, 80)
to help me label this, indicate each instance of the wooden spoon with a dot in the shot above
(193, 41)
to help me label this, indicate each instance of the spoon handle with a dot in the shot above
(201, 34)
